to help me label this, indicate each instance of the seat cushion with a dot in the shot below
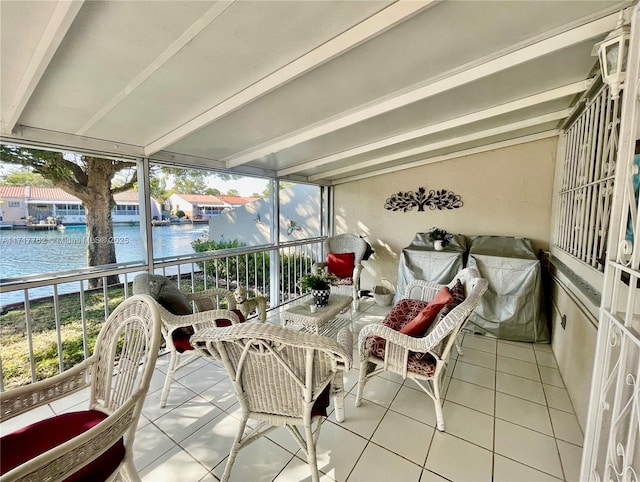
(174, 300)
(181, 336)
(419, 324)
(341, 264)
(28, 442)
(402, 312)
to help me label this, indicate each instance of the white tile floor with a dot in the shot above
(508, 418)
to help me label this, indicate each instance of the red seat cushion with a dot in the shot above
(28, 442)
(181, 336)
(341, 264)
(418, 325)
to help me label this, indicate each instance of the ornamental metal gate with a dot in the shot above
(612, 437)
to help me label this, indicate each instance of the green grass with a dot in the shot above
(14, 348)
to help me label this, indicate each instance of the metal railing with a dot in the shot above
(59, 313)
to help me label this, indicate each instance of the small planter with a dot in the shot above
(321, 297)
(438, 245)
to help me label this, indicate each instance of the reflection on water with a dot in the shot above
(26, 252)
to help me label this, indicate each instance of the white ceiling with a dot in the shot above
(325, 91)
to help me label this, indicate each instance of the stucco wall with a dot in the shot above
(505, 192)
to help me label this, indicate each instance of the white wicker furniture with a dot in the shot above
(207, 315)
(315, 322)
(278, 375)
(437, 344)
(118, 386)
(340, 244)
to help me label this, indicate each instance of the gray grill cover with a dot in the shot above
(512, 307)
(421, 261)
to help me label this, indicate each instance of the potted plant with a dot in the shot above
(320, 285)
(440, 238)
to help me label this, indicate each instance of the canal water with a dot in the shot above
(27, 252)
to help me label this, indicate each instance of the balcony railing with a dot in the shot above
(55, 324)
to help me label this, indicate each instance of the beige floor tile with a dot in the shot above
(558, 398)
(474, 374)
(379, 465)
(472, 396)
(523, 351)
(551, 376)
(477, 357)
(212, 443)
(458, 460)
(415, 404)
(528, 447)
(298, 469)
(428, 476)
(262, 460)
(392, 435)
(338, 451)
(221, 395)
(479, 343)
(545, 347)
(184, 420)
(506, 470)
(518, 367)
(523, 412)
(520, 387)
(546, 359)
(468, 424)
(200, 380)
(571, 456)
(150, 444)
(364, 419)
(176, 464)
(380, 390)
(566, 427)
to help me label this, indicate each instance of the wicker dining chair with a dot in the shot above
(383, 348)
(282, 378)
(94, 444)
(344, 259)
(179, 322)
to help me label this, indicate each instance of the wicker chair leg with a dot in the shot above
(337, 387)
(169, 378)
(235, 448)
(362, 380)
(437, 401)
(312, 459)
(130, 471)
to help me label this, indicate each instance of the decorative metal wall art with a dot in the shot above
(436, 199)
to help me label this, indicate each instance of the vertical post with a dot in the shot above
(274, 264)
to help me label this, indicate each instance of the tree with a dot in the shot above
(232, 192)
(25, 177)
(89, 179)
(212, 191)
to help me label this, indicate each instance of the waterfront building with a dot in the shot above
(23, 206)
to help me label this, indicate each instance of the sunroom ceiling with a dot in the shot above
(325, 91)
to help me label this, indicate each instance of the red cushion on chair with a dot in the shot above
(181, 337)
(418, 326)
(341, 264)
(28, 442)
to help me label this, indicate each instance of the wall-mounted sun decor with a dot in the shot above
(436, 199)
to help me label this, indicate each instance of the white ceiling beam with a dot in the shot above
(514, 126)
(515, 105)
(188, 35)
(461, 76)
(61, 19)
(454, 155)
(369, 28)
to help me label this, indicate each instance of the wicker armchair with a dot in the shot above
(340, 245)
(423, 359)
(95, 444)
(281, 378)
(178, 328)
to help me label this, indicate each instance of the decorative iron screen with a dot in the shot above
(591, 146)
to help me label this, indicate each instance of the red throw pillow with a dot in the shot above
(420, 323)
(341, 264)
